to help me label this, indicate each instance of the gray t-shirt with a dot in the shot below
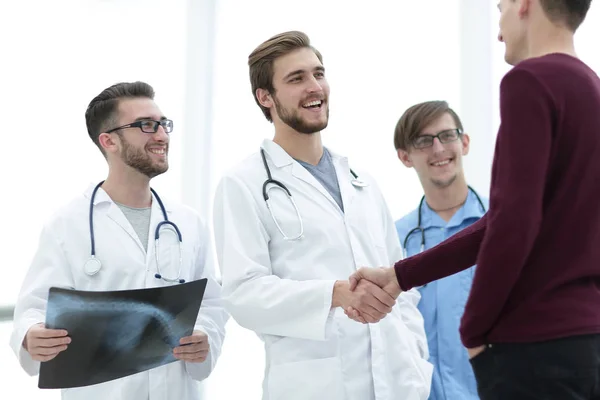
(139, 218)
(324, 172)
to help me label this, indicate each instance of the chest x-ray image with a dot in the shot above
(118, 333)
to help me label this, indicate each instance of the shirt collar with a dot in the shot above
(470, 210)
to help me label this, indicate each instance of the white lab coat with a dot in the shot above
(282, 290)
(64, 248)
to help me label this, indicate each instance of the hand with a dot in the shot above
(372, 301)
(383, 277)
(474, 352)
(44, 344)
(193, 348)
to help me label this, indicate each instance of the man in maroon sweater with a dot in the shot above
(532, 321)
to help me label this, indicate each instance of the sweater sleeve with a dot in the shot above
(449, 257)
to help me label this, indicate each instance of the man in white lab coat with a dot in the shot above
(291, 222)
(133, 135)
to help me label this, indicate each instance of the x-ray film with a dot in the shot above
(118, 333)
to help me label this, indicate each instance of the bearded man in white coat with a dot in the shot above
(133, 135)
(291, 223)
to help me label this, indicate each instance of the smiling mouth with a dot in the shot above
(441, 163)
(160, 151)
(315, 104)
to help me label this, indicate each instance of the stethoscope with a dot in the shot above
(420, 228)
(356, 182)
(93, 265)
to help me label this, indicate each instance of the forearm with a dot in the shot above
(282, 307)
(453, 255)
(21, 326)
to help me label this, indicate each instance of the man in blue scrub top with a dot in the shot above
(429, 137)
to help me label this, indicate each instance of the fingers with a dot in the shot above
(194, 348)
(196, 337)
(196, 352)
(354, 279)
(355, 315)
(44, 358)
(370, 314)
(381, 295)
(41, 353)
(191, 348)
(367, 302)
(53, 342)
(45, 344)
(48, 333)
(370, 302)
(192, 357)
(49, 351)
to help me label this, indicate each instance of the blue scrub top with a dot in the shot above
(443, 301)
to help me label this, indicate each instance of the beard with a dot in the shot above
(139, 160)
(292, 119)
(442, 184)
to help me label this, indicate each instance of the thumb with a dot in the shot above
(354, 279)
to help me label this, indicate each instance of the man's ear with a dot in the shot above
(108, 142)
(466, 141)
(405, 158)
(264, 98)
(524, 7)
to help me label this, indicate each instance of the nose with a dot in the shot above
(314, 85)
(437, 146)
(160, 135)
(500, 38)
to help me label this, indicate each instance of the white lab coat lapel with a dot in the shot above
(281, 160)
(344, 176)
(117, 216)
(114, 213)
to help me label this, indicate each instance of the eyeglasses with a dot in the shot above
(148, 126)
(447, 136)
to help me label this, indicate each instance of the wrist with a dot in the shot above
(340, 290)
(393, 281)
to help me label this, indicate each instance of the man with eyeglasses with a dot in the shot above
(133, 135)
(429, 137)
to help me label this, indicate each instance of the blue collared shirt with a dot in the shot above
(443, 301)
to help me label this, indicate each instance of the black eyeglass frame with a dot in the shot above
(167, 125)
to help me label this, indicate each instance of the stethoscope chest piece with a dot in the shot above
(92, 266)
(358, 183)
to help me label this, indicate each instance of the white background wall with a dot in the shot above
(381, 57)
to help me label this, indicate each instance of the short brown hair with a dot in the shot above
(570, 12)
(417, 117)
(262, 58)
(101, 113)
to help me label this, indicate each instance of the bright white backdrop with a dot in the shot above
(381, 57)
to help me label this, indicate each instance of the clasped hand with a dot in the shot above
(371, 279)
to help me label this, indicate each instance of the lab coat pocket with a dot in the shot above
(426, 369)
(310, 379)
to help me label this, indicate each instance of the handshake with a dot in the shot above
(369, 295)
